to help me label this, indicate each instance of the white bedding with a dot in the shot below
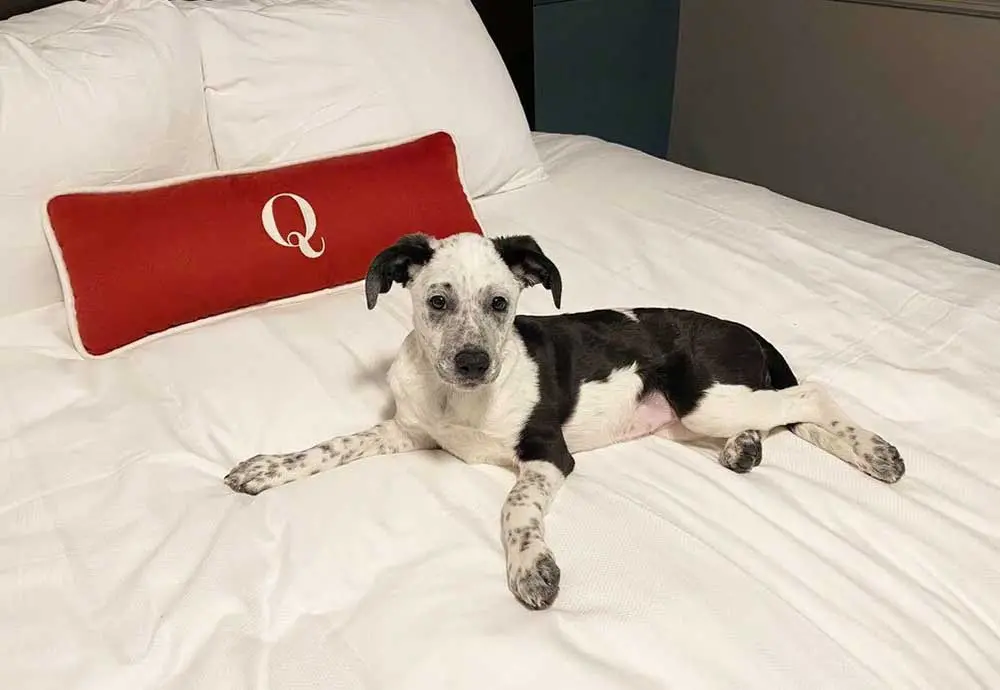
(126, 563)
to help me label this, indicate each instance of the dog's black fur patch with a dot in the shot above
(677, 352)
(393, 264)
(528, 262)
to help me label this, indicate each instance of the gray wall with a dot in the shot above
(888, 115)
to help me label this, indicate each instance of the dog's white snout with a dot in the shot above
(472, 362)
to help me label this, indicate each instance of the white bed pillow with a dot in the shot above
(103, 92)
(288, 80)
(32, 26)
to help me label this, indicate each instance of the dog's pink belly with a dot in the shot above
(603, 421)
(651, 414)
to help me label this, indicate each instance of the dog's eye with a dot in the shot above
(499, 304)
(437, 302)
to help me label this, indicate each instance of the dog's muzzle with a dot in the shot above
(472, 364)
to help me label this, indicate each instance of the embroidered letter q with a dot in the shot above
(299, 240)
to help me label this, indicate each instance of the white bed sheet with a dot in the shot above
(126, 563)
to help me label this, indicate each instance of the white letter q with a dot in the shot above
(299, 240)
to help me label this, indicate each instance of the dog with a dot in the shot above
(527, 392)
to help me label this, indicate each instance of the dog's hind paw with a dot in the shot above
(881, 460)
(259, 473)
(742, 452)
(535, 583)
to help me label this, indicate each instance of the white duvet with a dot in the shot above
(126, 563)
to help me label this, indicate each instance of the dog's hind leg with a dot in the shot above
(859, 447)
(742, 452)
(263, 472)
(737, 412)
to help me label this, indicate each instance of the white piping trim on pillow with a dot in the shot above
(67, 287)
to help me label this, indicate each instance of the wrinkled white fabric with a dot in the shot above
(126, 563)
(287, 80)
(92, 93)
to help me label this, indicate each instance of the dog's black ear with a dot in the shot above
(394, 265)
(528, 262)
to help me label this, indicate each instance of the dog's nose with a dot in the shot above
(472, 362)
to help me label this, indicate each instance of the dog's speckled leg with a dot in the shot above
(856, 446)
(263, 472)
(532, 573)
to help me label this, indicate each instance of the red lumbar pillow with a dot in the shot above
(141, 261)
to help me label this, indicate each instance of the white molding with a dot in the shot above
(977, 8)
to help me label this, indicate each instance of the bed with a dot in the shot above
(125, 562)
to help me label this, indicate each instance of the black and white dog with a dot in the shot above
(529, 391)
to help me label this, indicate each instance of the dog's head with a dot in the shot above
(465, 290)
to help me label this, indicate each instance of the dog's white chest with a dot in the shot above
(478, 426)
(610, 411)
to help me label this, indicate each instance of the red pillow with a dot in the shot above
(136, 262)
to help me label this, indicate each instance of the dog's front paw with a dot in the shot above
(259, 473)
(533, 577)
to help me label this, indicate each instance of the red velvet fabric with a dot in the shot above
(140, 262)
